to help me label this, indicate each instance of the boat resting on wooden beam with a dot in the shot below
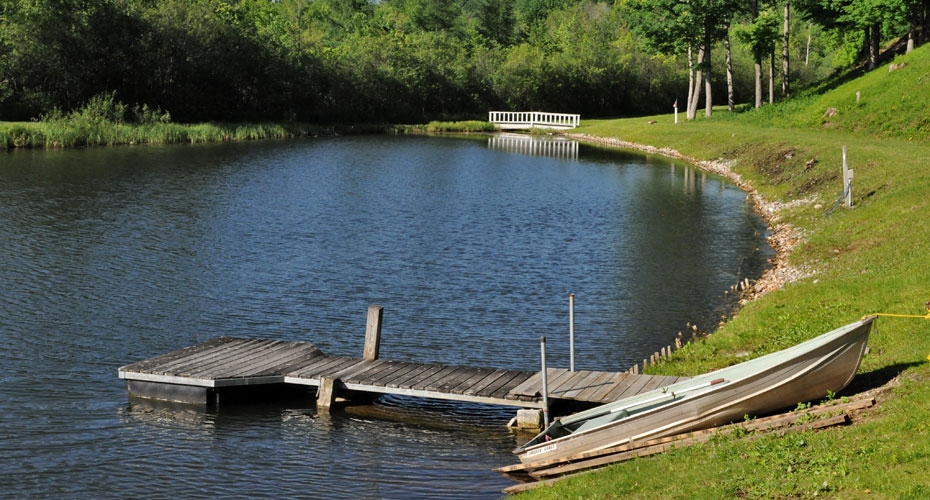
(802, 373)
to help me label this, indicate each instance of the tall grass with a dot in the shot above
(442, 127)
(104, 121)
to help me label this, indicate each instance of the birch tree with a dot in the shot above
(677, 26)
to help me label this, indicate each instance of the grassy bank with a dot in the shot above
(871, 258)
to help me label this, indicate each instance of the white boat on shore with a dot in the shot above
(802, 373)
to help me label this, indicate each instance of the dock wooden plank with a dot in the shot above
(465, 384)
(416, 381)
(517, 378)
(533, 385)
(349, 372)
(335, 370)
(208, 359)
(457, 378)
(364, 372)
(403, 370)
(401, 380)
(557, 383)
(269, 363)
(598, 381)
(504, 381)
(480, 385)
(436, 377)
(243, 363)
(569, 385)
(296, 359)
(147, 364)
(322, 367)
(505, 389)
(656, 382)
(515, 382)
(631, 386)
(207, 355)
(191, 357)
(598, 395)
(376, 374)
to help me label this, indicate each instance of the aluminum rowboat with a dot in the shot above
(802, 373)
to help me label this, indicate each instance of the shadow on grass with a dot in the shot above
(876, 378)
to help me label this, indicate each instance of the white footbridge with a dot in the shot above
(523, 120)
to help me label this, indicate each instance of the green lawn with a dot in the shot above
(868, 259)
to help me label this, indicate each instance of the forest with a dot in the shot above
(410, 61)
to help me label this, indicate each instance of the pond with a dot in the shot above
(472, 246)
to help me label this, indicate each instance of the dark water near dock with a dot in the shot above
(114, 255)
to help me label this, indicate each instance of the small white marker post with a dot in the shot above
(847, 180)
(676, 111)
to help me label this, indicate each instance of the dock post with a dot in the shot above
(373, 333)
(327, 394)
(571, 332)
(545, 382)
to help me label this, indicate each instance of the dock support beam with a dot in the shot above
(373, 333)
(327, 395)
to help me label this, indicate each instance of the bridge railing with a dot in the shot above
(532, 119)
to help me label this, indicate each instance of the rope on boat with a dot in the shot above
(890, 315)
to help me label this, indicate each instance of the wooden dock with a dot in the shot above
(197, 374)
(200, 374)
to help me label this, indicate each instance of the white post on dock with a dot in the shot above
(847, 180)
(545, 382)
(571, 332)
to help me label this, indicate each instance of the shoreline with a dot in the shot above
(782, 237)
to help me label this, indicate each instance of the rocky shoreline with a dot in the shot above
(782, 237)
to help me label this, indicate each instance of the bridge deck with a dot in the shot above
(233, 362)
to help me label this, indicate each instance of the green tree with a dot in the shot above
(676, 26)
(760, 36)
(495, 20)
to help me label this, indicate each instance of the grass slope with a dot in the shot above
(872, 258)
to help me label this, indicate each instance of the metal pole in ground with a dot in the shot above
(571, 332)
(545, 382)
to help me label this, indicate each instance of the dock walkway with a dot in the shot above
(197, 374)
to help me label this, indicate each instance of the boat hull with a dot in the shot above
(803, 373)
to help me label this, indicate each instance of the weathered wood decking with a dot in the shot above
(194, 375)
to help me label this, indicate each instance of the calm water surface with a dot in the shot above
(114, 255)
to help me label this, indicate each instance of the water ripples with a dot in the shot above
(114, 255)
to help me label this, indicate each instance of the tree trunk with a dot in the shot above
(708, 95)
(772, 78)
(690, 82)
(696, 90)
(758, 85)
(871, 47)
(754, 7)
(731, 102)
(785, 88)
